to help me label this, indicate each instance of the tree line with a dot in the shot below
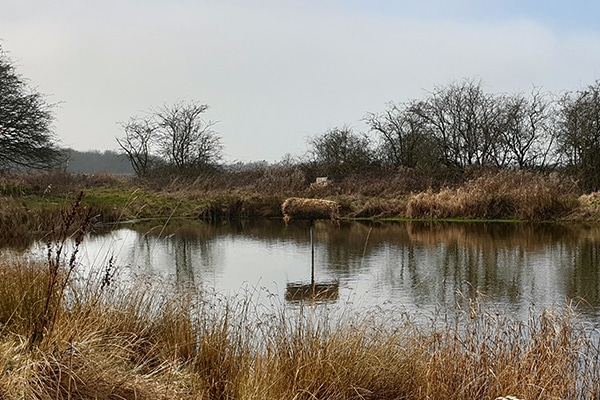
(461, 127)
(455, 127)
(92, 162)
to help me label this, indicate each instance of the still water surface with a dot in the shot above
(417, 266)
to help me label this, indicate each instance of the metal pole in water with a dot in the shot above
(312, 252)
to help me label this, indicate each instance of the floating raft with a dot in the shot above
(296, 292)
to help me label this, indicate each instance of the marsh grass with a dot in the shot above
(31, 205)
(502, 195)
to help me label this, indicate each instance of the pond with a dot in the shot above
(417, 266)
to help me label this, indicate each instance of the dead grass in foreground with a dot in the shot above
(146, 341)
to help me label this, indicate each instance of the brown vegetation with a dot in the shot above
(390, 193)
(309, 209)
(590, 206)
(32, 203)
(503, 195)
(146, 341)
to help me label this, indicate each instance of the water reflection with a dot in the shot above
(418, 265)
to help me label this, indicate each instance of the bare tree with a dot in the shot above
(461, 126)
(528, 137)
(26, 137)
(340, 151)
(579, 139)
(464, 121)
(138, 144)
(404, 136)
(186, 140)
(175, 136)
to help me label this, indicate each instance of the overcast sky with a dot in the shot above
(275, 72)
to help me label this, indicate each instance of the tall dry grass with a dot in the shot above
(20, 223)
(56, 183)
(387, 193)
(148, 340)
(502, 195)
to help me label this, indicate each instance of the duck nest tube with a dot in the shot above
(310, 209)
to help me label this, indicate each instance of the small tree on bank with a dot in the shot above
(185, 140)
(405, 140)
(26, 137)
(340, 151)
(175, 136)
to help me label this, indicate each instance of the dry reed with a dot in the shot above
(508, 195)
(309, 209)
(153, 341)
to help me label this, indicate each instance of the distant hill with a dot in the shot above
(93, 162)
